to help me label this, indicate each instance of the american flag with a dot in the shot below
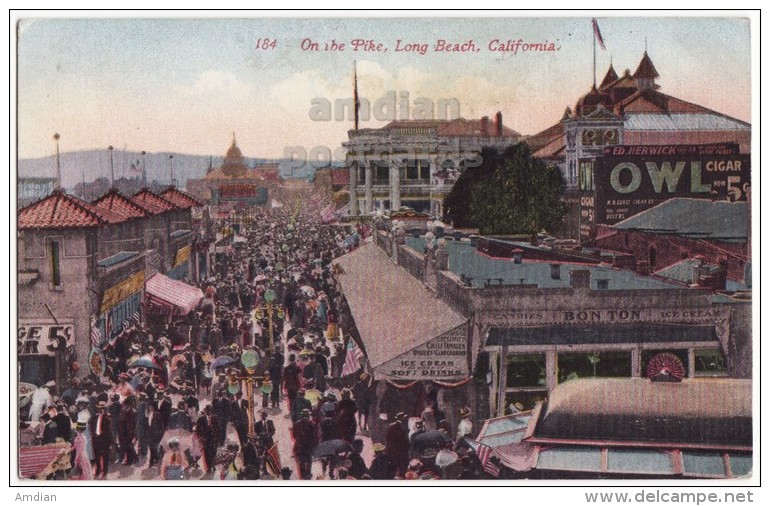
(136, 318)
(108, 326)
(273, 461)
(485, 453)
(597, 33)
(96, 334)
(352, 358)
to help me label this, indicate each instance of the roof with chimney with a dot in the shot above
(179, 198)
(60, 210)
(114, 201)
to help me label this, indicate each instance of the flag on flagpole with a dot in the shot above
(485, 453)
(352, 358)
(96, 334)
(598, 34)
(273, 461)
(108, 326)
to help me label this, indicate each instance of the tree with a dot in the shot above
(522, 195)
(458, 203)
(509, 193)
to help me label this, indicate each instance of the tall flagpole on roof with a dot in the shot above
(356, 102)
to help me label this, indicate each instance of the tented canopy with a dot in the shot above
(164, 295)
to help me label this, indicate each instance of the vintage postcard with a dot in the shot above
(388, 248)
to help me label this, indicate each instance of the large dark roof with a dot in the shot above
(696, 218)
(709, 412)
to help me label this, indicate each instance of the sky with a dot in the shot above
(186, 85)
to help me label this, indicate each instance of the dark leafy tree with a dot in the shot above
(457, 204)
(523, 195)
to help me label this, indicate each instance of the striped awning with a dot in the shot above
(38, 461)
(165, 291)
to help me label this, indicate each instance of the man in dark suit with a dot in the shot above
(49, 429)
(220, 407)
(101, 432)
(265, 430)
(163, 406)
(207, 427)
(63, 422)
(153, 430)
(179, 418)
(397, 443)
(239, 417)
(305, 441)
(127, 431)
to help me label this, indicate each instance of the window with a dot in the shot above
(710, 363)
(526, 370)
(55, 263)
(418, 169)
(361, 174)
(602, 284)
(587, 176)
(589, 365)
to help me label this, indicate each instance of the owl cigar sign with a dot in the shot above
(630, 179)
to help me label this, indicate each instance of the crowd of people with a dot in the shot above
(271, 293)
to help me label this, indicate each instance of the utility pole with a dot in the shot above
(56, 137)
(112, 168)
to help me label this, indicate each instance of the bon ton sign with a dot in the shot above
(630, 179)
(444, 358)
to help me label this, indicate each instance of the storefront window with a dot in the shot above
(710, 363)
(589, 365)
(526, 371)
(523, 400)
(648, 354)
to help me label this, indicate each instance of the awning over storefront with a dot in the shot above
(406, 331)
(164, 295)
(601, 334)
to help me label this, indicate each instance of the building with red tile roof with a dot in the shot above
(60, 211)
(114, 201)
(180, 199)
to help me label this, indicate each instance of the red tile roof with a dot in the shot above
(60, 210)
(151, 202)
(180, 199)
(117, 203)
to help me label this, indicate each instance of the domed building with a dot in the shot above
(234, 184)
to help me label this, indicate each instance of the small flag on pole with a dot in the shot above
(598, 34)
(485, 453)
(96, 334)
(273, 461)
(352, 358)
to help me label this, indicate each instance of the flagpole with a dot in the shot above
(594, 37)
(355, 96)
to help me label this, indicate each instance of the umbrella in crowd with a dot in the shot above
(145, 361)
(430, 439)
(332, 448)
(222, 361)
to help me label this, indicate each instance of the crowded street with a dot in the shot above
(254, 382)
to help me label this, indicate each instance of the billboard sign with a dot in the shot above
(631, 179)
